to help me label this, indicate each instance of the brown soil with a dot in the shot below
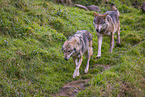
(105, 67)
(72, 88)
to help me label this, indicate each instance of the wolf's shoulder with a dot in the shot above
(112, 13)
(82, 32)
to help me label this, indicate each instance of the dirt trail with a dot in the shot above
(72, 88)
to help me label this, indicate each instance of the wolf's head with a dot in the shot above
(100, 22)
(68, 49)
(112, 7)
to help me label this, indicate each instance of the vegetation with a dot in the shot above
(31, 59)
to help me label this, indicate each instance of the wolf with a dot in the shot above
(76, 46)
(94, 7)
(107, 24)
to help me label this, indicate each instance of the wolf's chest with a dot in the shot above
(104, 33)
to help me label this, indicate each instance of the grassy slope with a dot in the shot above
(32, 34)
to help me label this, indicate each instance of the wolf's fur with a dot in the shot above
(78, 44)
(143, 7)
(107, 24)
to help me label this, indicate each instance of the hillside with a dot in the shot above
(32, 63)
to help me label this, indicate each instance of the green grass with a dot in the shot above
(123, 79)
(31, 59)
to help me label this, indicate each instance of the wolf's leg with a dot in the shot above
(75, 60)
(90, 53)
(76, 72)
(118, 35)
(76, 63)
(67, 2)
(99, 44)
(62, 1)
(111, 42)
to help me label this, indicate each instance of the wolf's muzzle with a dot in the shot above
(66, 59)
(97, 30)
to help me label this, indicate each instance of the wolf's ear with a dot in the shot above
(65, 42)
(104, 16)
(95, 14)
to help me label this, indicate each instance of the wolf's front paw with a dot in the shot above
(76, 73)
(74, 76)
(86, 70)
(98, 56)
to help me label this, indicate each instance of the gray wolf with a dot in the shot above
(107, 24)
(93, 7)
(76, 46)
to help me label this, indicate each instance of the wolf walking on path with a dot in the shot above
(107, 24)
(76, 46)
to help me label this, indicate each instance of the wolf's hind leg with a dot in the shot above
(111, 42)
(90, 53)
(76, 61)
(118, 36)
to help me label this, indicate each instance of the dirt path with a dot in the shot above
(72, 88)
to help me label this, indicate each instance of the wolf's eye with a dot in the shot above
(102, 22)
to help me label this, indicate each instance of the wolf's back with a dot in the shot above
(85, 38)
(114, 15)
(85, 34)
